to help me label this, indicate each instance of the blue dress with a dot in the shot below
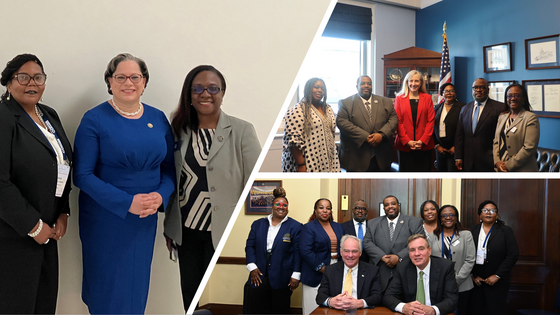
(116, 158)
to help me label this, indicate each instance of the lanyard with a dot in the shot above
(443, 245)
(486, 239)
(51, 129)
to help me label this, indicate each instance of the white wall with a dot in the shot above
(258, 46)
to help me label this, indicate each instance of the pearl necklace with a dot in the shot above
(127, 113)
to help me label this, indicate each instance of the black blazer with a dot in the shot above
(368, 287)
(443, 286)
(501, 253)
(475, 149)
(451, 120)
(348, 228)
(28, 171)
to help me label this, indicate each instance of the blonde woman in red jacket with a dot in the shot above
(415, 110)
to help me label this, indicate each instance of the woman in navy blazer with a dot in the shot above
(33, 210)
(319, 247)
(492, 271)
(274, 268)
(415, 110)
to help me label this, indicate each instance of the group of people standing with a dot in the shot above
(467, 271)
(483, 136)
(129, 163)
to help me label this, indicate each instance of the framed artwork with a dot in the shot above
(498, 88)
(544, 96)
(497, 58)
(259, 200)
(542, 52)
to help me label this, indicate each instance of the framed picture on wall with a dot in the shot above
(542, 52)
(498, 88)
(544, 96)
(259, 200)
(497, 58)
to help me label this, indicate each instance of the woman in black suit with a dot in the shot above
(35, 159)
(497, 253)
(445, 125)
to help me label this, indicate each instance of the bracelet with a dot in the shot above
(38, 229)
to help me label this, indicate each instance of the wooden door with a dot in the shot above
(531, 208)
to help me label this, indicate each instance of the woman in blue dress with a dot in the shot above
(124, 169)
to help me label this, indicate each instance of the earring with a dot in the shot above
(9, 96)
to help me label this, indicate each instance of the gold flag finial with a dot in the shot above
(444, 26)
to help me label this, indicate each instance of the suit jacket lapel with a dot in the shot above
(59, 132)
(28, 124)
(361, 279)
(469, 112)
(385, 229)
(412, 279)
(517, 119)
(398, 227)
(280, 235)
(339, 281)
(359, 103)
(223, 132)
(485, 112)
(434, 278)
(263, 233)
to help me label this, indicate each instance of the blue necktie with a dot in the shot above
(475, 117)
(361, 233)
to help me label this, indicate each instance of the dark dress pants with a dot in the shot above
(445, 162)
(415, 161)
(195, 254)
(28, 276)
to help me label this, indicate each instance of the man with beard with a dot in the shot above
(357, 226)
(387, 236)
(367, 123)
(476, 129)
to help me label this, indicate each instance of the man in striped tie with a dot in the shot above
(357, 226)
(436, 287)
(350, 284)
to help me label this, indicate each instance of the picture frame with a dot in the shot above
(542, 52)
(260, 197)
(498, 88)
(497, 58)
(544, 96)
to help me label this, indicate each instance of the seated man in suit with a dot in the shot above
(367, 123)
(435, 287)
(348, 284)
(357, 226)
(386, 238)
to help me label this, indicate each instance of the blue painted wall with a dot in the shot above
(472, 24)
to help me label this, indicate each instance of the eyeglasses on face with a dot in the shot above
(446, 216)
(479, 87)
(283, 205)
(24, 78)
(134, 78)
(511, 96)
(360, 208)
(448, 91)
(213, 90)
(491, 211)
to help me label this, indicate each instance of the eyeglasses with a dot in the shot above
(491, 211)
(134, 78)
(479, 87)
(360, 209)
(283, 205)
(448, 91)
(511, 96)
(213, 90)
(24, 78)
(446, 216)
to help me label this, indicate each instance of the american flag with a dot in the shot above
(445, 70)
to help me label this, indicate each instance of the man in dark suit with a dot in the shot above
(476, 129)
(367, 123)
(422, 285)
(349, 284)
(357, 226)
(386, 238)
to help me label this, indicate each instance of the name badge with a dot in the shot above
(63, 172)
(513, 130)
(480, 257)
(455, 243)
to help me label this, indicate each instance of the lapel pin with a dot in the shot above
(220, 138)
(375, 101)
(150, 125)
(401, 222)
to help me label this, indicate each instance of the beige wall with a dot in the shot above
(226, 283)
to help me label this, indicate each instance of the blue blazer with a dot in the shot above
(285, 258)
(315, 249)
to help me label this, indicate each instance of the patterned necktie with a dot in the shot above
(361, 233)
(348, 283)
(475, 116)
(391, 230)
(368, 107)
(420, 295)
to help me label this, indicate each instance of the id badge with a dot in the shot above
(480, 257)
(442, 130)
(63, 172)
